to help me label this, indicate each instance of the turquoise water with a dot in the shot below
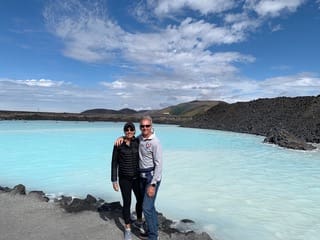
(234, 186)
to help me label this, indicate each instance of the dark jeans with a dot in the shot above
(126, 185)
(149, 210)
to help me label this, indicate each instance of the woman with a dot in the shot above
(125, 165)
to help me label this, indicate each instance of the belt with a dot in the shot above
(147, 172)
(146, 175)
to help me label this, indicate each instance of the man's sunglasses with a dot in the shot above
(145, 126)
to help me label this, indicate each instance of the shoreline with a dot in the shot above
(290, 122)
(30, 215)
(276, 136)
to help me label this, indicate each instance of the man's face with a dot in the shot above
(145, 127)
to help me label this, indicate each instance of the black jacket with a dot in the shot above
(125, 160)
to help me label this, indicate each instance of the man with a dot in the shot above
(150, 164)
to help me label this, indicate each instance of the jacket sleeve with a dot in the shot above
(157, 159)
(114, 165)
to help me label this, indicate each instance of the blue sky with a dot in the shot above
(70, 55)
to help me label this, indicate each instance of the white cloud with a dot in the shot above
(92, 38)
(179, 51)
(300, 81)
(118, 84)
(274, 8)
(139, 93)
(164, 7)
(275, 28)
(40, 82)
(88, 35)
(58, 96)
(302, 84)
(179, 59)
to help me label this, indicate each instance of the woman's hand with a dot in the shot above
(118, 141)
(115, 186)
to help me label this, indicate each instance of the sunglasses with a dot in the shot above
(145, 126)
(129, 130)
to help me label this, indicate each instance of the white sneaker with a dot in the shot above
(127, 234)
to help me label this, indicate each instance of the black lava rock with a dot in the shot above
(190, 236)
(110, 207)
(285, 139)
(5, 189)
(77, 205)
(18, 189)
(39, 195)
(300, 116)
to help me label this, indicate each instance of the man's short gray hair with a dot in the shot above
(147, 117)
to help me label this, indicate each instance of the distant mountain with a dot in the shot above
(127, 111)
(98, 111)
(188, 109)
(183, 110)
(299, 116)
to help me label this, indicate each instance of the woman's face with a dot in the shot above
(129, 133)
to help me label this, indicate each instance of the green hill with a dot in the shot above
(188, 109)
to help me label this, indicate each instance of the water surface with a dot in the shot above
(231, 184)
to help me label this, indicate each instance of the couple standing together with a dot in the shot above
(137, 166)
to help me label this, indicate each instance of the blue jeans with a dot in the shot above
(149, 210)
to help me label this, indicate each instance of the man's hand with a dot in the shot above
(115, 186)
(151, 191)
(118, 141)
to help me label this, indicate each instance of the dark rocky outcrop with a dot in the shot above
(113, 210)
(173, 229)
(18, 189)
(5, 189)
(39, 195)
(285, 139)
(183, 229)
(300, 116)
(77, 205)
(190, 236)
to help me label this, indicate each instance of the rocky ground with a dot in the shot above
(31, 216)
(298, 118)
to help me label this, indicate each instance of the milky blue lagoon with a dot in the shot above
(231, 184)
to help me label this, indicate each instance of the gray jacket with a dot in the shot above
(150, 153)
